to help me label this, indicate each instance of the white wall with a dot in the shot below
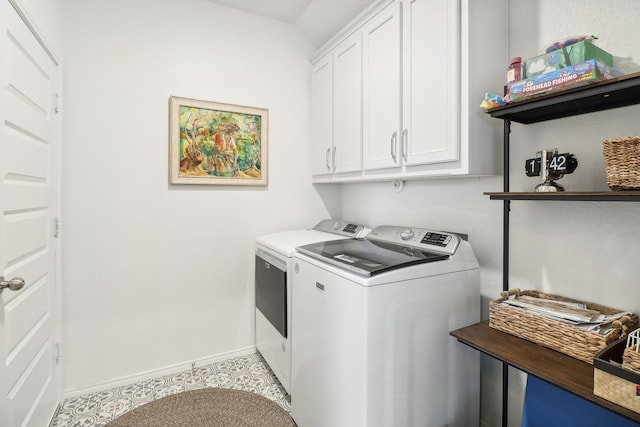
(158, 274)
(583, 250)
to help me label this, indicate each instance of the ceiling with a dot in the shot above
(318, 20)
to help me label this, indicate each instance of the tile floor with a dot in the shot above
(249, 373)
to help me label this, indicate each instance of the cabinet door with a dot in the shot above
(322, 116)
(431, 81)
(347, 112)
(382, 89)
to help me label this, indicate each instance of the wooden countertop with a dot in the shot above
(563, 371)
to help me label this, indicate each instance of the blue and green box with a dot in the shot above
(564, 78)
(565, 57)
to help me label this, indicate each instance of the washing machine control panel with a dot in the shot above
(342, 228)
(419, 238)
(406, 234)
(438, 239)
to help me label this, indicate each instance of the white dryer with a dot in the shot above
(273, 285)
(371, 320)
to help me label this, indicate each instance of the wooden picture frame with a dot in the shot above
(217, 144)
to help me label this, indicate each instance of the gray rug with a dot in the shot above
(208, 407)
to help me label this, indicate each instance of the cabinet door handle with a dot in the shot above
(394, 146)
(405, 137)
(333, 158)
(326, 159)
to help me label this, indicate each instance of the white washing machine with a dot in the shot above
(273, 286)
(371, 320)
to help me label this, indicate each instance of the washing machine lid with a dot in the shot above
(385, 248)
(367, 257)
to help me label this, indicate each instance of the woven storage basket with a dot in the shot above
(622, 161)
(559, 336)
(631, 355)
(616, 390)
(613, 382)
(631, 360)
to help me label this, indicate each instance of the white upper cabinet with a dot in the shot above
(347, 117)
(424, 68)
(382, 54)
(431, 82)
(337, 110)
(322, 113)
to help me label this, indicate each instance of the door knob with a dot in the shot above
(14, 284)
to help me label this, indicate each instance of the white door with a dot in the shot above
(382, 47)
(347, 117)
(431, 81)
(322, 117)
(29, 375)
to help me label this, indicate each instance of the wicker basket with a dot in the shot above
(559, 336)
(615, 383)
(622, 160)
(631, 360)
(616, 389)
(631, 355)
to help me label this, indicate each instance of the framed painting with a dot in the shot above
(219, 144)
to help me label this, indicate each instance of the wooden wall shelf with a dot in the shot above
(605, 95)
(572, 375)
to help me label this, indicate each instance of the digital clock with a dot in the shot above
(550, 166)
(558, 164)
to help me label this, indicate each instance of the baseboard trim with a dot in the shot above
(154, 373)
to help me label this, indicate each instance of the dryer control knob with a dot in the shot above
(406, 234)
(336, 225)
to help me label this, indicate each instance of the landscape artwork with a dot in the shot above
(220, 144)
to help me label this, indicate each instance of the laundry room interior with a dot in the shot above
(157, 277)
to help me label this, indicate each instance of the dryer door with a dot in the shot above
(271, 291)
